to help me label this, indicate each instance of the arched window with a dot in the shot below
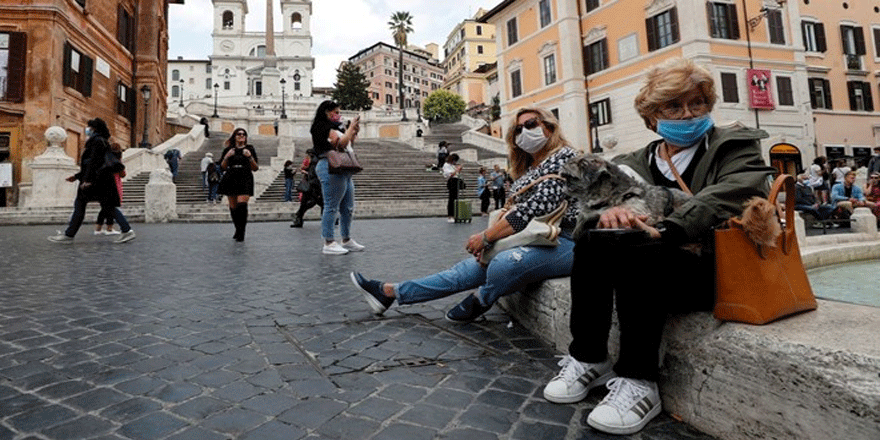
(175, 75)
(175, 91)
(296, 21)
(259, 51)
(228, 20)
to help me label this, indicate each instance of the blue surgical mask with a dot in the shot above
(684, 132)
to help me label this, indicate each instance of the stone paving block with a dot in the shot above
(274, 430)
(397, 431)
(468, 433)
(270, 404)
(343, 426)
(196, 433)
(403, 393)
(549, 412)
(488, 418)
(81, 428)
(237, 391)
(131, 409)
(312, 413)
(447, 398)
(40, 380)
(141, 386)
(429, 415)
(176, 392)
(376, 408)
(529, 430)
(234, 421)
(96, 399)
(501, 399)
(201, 407)
(153, 426)
(41, 417)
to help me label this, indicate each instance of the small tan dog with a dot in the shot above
(760, 221)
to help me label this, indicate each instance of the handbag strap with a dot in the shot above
(510, 200)
(661, 151)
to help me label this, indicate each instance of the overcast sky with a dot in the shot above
(340, 28)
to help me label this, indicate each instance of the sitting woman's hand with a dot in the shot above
(476, 244)
(620, 217)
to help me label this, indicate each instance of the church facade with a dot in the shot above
(249, 69)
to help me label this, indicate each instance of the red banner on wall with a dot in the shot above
(759, 89)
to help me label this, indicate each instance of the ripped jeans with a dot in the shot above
(510, 271)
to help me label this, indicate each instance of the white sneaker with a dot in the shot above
(60, 238)
(627, 408)
(334, 248)
(99, 232)
(353, 246)
(112, 232)
(450, 220)
(576, 379)
(126, 237)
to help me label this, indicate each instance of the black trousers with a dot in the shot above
(647, 281)
(452, 186)
(485, 196)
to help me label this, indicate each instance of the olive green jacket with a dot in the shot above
(730, 173)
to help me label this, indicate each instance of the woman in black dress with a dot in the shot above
(239, 163)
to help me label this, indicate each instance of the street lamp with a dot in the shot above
(215, 115)
(594, 124)
(181, 93)
(145, 93)
(283, 114)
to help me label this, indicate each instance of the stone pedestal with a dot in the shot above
(160, 198)
(50, 171)
(864, 221)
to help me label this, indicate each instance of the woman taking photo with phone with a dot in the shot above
(337, 188)
(239, 163)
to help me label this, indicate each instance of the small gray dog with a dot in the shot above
(598, 185)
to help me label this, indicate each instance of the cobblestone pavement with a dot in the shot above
(185, 334)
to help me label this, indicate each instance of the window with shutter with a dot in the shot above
(729, 89)
(77, 70)
(13, 51)
(723, 22)
(775, 26)
(596, 56)
(662, 29)
(512, 35)
(600, 112)
(515, 84)
(592, 4)
(783, 89)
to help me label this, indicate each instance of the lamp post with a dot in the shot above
(145, 93)
(594, 124)
(283, 113)
(181, 93)
(215, 115)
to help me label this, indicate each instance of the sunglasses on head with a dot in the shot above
(528, 125)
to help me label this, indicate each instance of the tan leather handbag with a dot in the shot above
(757, 284)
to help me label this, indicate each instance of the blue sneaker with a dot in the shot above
(372, 293)
(467, 310)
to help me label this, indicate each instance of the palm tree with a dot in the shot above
(400, 25)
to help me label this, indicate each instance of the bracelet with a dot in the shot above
(486, 243)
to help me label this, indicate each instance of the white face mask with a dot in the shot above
(531, 141)
(88, 131)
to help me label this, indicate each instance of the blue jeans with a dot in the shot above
(79, 214)
(288, 190)
(212, 191)
(510, 271)
(338, 190)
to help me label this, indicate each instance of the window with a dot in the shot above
(175, 75)
(544, 7)
(479, 30)
(853, 40)
(259, 51)
(13, 48)
(592, 4)
(296, 21)
(125, 28)
(515, 84)
(596, 55)
(207, 68)
(860, 98)
(783, 89)
(512, 36)
(723, 22)
(77, 72)
(258, 88)
(208, 84)
(662, 29)
(175, 91)
(480, 49)
(125, 101)
(729, 89)
(876, 42)
(226, 85)
(228, 20)
(389, 99)
(775, 26)
(600, 112)
(814, 36)
(820, 93)
(549, 69)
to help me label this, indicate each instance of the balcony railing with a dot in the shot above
(853, 62)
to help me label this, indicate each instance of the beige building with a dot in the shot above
(65, 62)
(803, 71)
(469, 49)
(422, 74)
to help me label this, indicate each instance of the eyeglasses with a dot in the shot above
(241, 134)
(528, 125)
(676, 110)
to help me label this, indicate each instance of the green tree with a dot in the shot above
(400, 25)
(352, 88)
(444, 106)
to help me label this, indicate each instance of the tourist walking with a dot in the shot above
(105, 216)
(484, 191)
(309, 188)
(97, 168)
(203, 165)
(442, 153)
(536, 149)
(172, 157)
(337, 188)
(237, 184)
(289, 173)
(499, 178)
(651, 273)
(451, 171)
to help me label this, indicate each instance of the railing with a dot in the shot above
(853, 62)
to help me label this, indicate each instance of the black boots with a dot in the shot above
(239, 216)
(297, 222)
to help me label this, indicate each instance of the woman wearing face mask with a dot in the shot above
(655, 274)
(536, 148)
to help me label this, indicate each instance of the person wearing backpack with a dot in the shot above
(213, 177)
(309, 189)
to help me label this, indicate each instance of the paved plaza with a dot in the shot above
(185, 334)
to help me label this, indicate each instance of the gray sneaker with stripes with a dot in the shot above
(628, 407)
(576, 379)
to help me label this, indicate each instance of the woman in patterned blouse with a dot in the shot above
(536, 148)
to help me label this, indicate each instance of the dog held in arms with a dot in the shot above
(598, 185)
